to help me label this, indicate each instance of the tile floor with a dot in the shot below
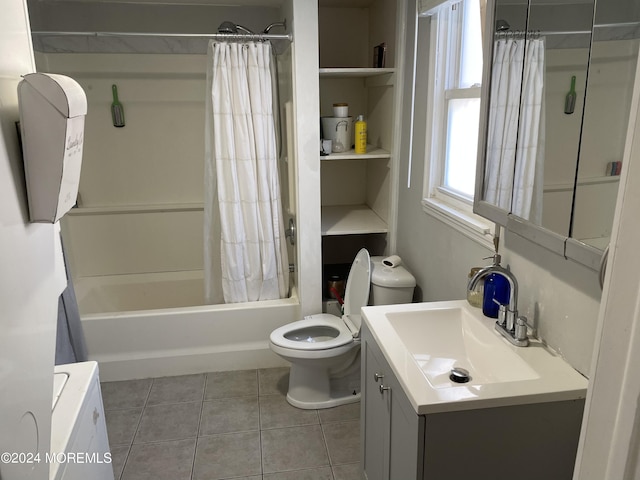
(226, 425)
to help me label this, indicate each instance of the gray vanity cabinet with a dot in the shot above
(392, 433)
(527, 442)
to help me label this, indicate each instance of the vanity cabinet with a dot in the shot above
(392, 433)
(356, 189)
(527, 442)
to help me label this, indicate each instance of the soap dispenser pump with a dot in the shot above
(496, 291)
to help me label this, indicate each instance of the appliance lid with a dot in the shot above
(59, 381)
(396, 277)
(62, 92)
(358, 284)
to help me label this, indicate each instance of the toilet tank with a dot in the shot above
(390, 285)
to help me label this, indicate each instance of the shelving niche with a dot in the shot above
(356, 188)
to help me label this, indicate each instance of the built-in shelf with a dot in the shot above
(351, 220)
(562, 187)
(123, 209)
(354, 72)
(372, 152)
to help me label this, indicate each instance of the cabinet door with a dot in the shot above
(376, 409)
(392, 433)
(406, 445)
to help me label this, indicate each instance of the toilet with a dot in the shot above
(324, 350)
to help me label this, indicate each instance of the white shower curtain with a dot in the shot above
(515, 145)
(245, 250)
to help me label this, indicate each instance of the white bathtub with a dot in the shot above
(139, 326)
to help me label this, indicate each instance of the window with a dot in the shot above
(454, 114)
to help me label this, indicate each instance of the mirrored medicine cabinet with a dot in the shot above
(558, 85)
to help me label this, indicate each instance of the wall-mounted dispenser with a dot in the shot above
(52, 111)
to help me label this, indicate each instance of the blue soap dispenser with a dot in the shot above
(496, 287)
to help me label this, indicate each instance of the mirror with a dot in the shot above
(557, 99)
(532, 143)
(612, 73)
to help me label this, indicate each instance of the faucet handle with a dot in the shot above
(521, 328)
(502, 312)
(506, 317)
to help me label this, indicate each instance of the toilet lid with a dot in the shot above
(358, 284)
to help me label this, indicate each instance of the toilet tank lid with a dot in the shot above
(384, 276)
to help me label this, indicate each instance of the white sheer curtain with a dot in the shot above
(245, 250)
(515, 145)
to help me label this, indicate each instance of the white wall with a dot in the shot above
(610, 434)
(31, 276)
(560, 296)
(438, 256)
(306, 143)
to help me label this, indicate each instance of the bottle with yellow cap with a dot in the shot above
(361, 135)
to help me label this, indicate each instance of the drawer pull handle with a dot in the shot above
(383, 388)
(377, 376)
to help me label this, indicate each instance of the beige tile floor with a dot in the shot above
(226, 425)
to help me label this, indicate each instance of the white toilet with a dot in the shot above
(324, 350)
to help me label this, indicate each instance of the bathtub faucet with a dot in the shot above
(509, 324)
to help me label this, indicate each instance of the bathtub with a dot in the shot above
(146, 325)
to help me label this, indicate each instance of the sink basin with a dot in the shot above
(423, 342)
(440, 339)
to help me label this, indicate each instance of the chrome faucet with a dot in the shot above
(509, 324)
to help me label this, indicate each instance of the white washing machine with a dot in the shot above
(79, 443)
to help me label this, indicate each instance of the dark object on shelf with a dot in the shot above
(379, 55)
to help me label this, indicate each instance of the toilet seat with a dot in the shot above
(309, 327)
(325, 331)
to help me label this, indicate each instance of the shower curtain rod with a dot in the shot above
(573, 32)
(538, 33)
(221, 36)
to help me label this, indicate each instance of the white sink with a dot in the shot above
(440, 339)
(422, 342)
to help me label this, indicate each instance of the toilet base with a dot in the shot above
(311, 387)
(332, 402)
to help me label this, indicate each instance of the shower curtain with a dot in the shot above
(245, 250)
(515, 145)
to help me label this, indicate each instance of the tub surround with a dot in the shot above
(108, 294)
(52, 43)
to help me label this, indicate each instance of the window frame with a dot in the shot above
(448, 205)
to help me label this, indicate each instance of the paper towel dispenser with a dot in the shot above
(52, 111)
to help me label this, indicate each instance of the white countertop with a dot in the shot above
(556, 380)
